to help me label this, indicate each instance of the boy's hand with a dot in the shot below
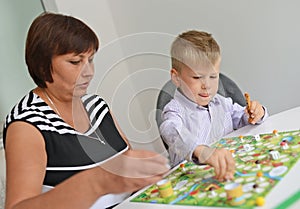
(220, 159)
(255, 112)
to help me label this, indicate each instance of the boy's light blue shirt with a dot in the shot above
(186, 125)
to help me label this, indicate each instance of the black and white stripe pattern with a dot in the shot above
(34, 110)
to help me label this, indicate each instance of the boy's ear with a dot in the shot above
(175, 77)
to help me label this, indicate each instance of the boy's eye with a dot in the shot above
(214, 76)
(196, 77)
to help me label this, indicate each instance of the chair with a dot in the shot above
(227, 88)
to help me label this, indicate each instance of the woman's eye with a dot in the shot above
(75, 62)
(196, 77)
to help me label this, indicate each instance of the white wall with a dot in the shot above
(259, 41)
(15, 82)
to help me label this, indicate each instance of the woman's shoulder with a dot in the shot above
(30, 103)
(30, 109)
(93, 100)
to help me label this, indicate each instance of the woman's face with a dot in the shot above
(72, 73)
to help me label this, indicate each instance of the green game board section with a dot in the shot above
(195, 185)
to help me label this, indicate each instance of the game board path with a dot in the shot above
(181, 197)
(266, 174)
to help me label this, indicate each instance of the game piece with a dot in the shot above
(255, 187)
(260, 175)
(257, 137)
(260, 201)
(275, 132)
(234, 192)
(274, 154)
(232, 152)
(284, 145)
(257, 162)
(212, 190)
(165, 188)
(182, 166)
(248, 101)
(241, 138)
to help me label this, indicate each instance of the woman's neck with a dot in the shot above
(71, 111)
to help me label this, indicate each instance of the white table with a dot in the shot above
(284, 121)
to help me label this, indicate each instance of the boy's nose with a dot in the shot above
(204, 84)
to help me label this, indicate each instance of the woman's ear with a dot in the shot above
(175, 77)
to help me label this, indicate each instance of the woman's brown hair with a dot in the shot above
(53, 34)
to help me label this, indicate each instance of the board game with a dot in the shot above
(261, 162)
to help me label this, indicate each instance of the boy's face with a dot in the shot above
(198, 84)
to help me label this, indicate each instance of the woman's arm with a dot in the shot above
(120, 130)
(26, 164)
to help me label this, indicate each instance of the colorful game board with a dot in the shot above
(261, 162)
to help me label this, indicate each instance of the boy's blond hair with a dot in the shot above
(194, 48)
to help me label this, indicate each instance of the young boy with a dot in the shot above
(198, 116)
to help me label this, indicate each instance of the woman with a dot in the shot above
(63, 147)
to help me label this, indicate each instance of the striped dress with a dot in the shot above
(69, 151)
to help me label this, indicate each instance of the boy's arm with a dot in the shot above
(182, 146)
(181, 142)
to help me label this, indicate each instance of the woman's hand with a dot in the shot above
(133, 170)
